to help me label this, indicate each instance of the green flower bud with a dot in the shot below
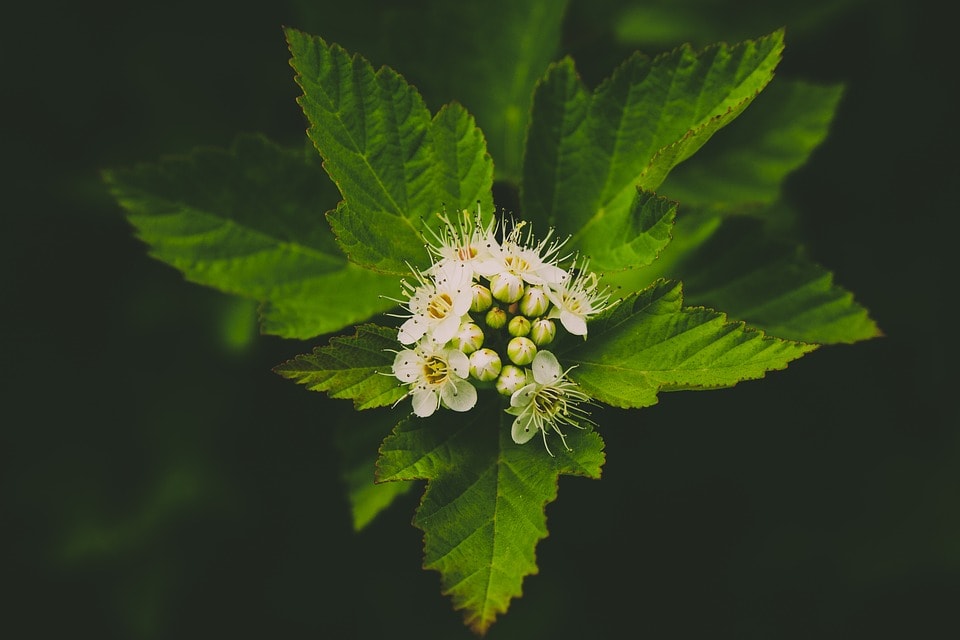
(521, 350)
(496, 318)
(534, 302)
(519, 326)
(543, 331)
(468, 338)
(506, 287)
(485, 364)
(511, 379)
(482, 298)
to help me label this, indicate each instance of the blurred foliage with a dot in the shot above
(127, 516)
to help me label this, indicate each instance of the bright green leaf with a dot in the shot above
(484, 55)
(483, 511)
(395, 166)
(587, 153)
(737, 264)
(650, 342)
(772, 285)
(634, 240)
(357, 367)
(249, 221)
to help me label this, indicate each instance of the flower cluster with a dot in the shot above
(484, 314)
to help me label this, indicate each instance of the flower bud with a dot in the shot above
(496, 318)
(468, 338)
(482, 298)
(543, 331)
(485, 364)
(534, 302)
(521, 350)
(511, 379)
(519, 326)
(506, 286)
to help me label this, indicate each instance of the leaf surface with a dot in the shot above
(651, 342)
(636, 239)
(587, 152)
(483, 510)
(773, 285)
(491, 66)
(357, 367)
(748, 161)
(249, 221)
(394, 164)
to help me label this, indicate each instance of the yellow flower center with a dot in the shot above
(549, 402)
(435, 370)
(572, 303)
(466, 253)
(516, 264)
(439, 306)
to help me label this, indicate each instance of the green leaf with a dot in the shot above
(501, 48)
(634, 240)
(587, 153)
(357, 367)
(357, 439)
(249, 221)
(483, 511)
(773, 285)
(748, 161)
(746, 270)
(650, 342)
(487, 56)
(745, 266)
(394, 165)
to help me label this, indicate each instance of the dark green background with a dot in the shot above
(158, 481)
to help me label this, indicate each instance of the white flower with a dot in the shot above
(577, 299)
(437, 304)
(436, 376)
(470, 242)
(546, 402)
(532, 264)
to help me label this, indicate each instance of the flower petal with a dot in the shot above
(408, 365)
(546, 368)
(412, 330)
(458, 395)
(523, 428)
(573, 323)
(523, 396)
(444, 332)
(424, 402)
(459, 362)
(552, 274)
(463, 300)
